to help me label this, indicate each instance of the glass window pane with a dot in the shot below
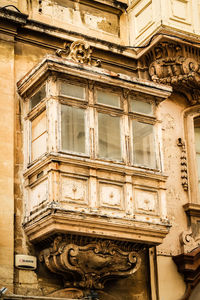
(72, 90)
(197, 145)
(197, 134)
(38, 125)
(109, 136)
(38, 97)
(38, 146)
(38, 138)
(108, 98)
(73, 129)
(198, 164)
(143, 144)
(141, 107)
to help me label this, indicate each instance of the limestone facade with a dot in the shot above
(99, 149)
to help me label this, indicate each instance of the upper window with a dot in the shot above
(141, 107)
(72, 90)
(108, 98)
(143, 136)
(95, 122)
(38, 96)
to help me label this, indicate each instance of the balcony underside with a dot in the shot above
(53, 221)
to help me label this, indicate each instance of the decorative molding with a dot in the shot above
(192, 210)
(126, 93)
(184, 173)
(189, 266)
(40, 6)
(187, 241)
(176, 65)
(88, 263)
(79, 51)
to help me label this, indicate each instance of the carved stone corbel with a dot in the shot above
(188, 243)
(79, 51)
(89, 264)
(188, 262)
(176, 65)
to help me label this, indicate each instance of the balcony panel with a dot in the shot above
(90, 203)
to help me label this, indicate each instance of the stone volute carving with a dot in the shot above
(176, 65)
(89, 264)
(188, 242)
(79, 51)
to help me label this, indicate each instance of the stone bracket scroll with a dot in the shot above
(89, 264)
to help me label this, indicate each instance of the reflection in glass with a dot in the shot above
(141, 107)
(38, 97)
(143, 144)
(73, 129)
(197, 145)
(108, 98)
(109, 137)
(72, 90)
(38, 136)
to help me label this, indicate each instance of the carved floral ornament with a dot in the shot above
(88, 265)
(176, 65)
(80, 52)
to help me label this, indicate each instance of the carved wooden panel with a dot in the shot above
(38, 194)
(111, 195)
(146, 200)
(181, 11)
(144, 17)
(74, 189)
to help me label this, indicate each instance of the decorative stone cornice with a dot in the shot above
(88, 264)
(177, 65)
(79, 51)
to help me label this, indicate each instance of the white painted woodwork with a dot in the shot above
(94, 184)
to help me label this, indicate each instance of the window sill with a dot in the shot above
(85, 161)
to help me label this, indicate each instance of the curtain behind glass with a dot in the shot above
(109, 137)
(73, 129)
(143, 144)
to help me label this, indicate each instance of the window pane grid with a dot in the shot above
(107, 127)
